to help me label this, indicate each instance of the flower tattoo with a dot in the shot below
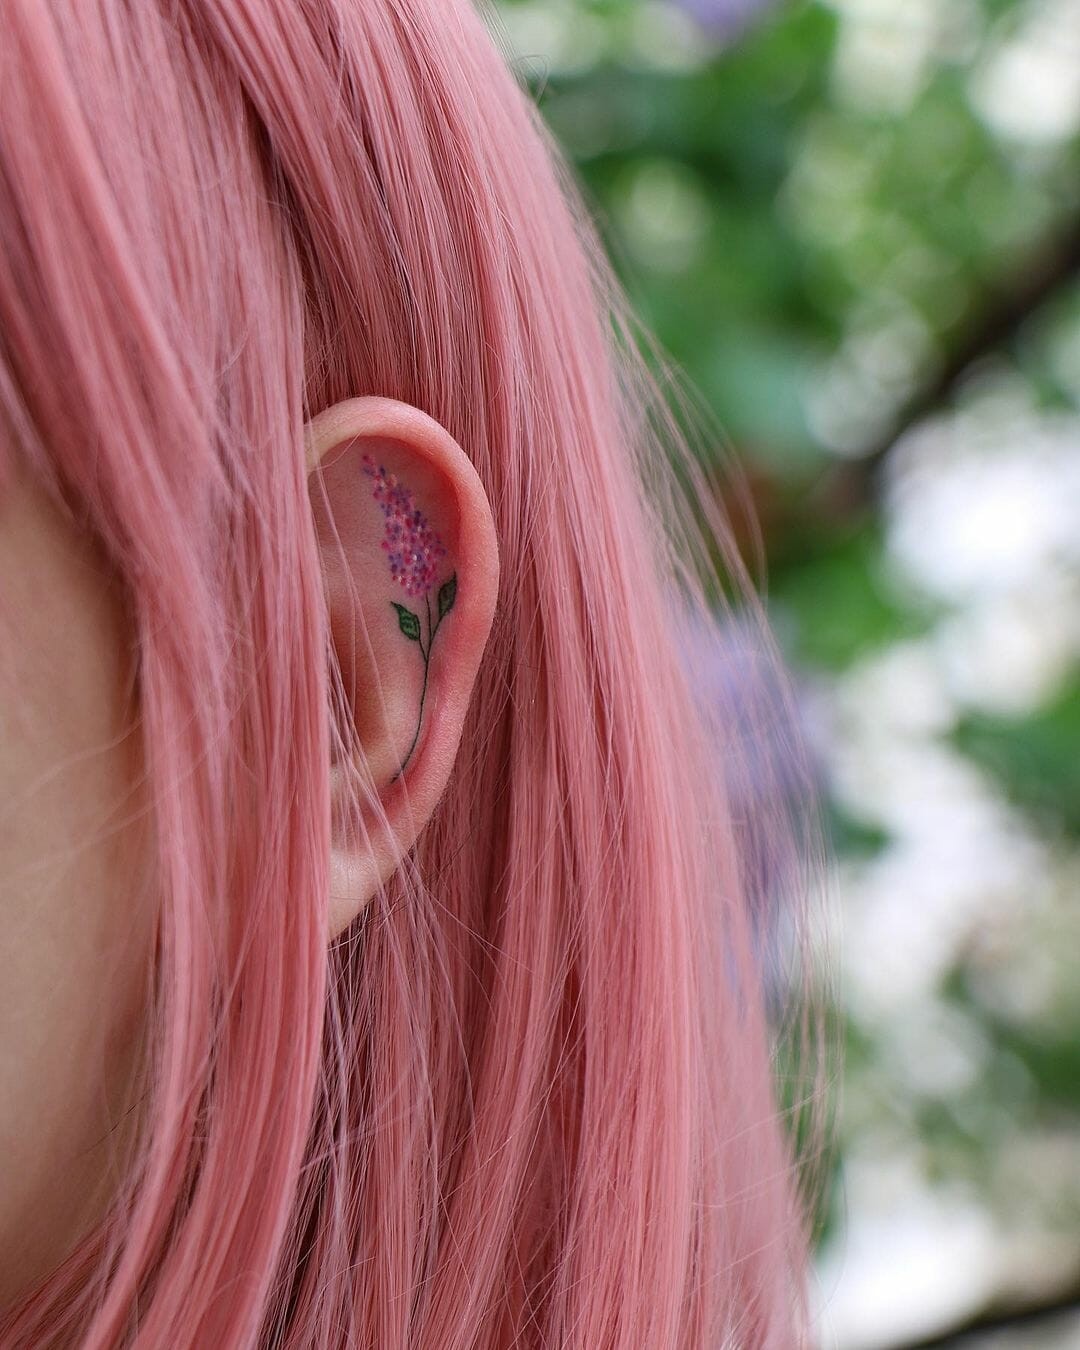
(413, 551)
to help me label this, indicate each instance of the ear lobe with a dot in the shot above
(411, 573)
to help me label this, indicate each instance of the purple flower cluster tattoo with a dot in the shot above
(413, 550)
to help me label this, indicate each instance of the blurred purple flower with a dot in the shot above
(724, 18)
(774, 777)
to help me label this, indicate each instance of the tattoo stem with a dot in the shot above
(423, 688)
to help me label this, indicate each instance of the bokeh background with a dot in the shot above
(855, 225)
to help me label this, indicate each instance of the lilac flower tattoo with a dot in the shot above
(413, 550)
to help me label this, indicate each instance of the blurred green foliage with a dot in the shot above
(855, 224)
(1036, 757)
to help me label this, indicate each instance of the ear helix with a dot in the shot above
(414, 552)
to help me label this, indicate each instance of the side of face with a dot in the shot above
(406, 541)
(77, 903)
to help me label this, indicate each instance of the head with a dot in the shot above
(378, 947)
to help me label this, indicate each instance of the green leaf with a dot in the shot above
(408, 621)
(447, 593)
(1036, 758)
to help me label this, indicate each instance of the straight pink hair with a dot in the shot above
(529, 1099)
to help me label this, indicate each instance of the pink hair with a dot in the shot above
(528, 1099)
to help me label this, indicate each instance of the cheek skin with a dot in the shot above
(77, 900)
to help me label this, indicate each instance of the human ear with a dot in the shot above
(411, 573)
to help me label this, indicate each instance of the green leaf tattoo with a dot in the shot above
(408, 622)
(447, 595)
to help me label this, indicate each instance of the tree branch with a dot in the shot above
(1052, 265)
(1013, 1319)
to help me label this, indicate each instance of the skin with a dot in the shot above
(77, 895)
